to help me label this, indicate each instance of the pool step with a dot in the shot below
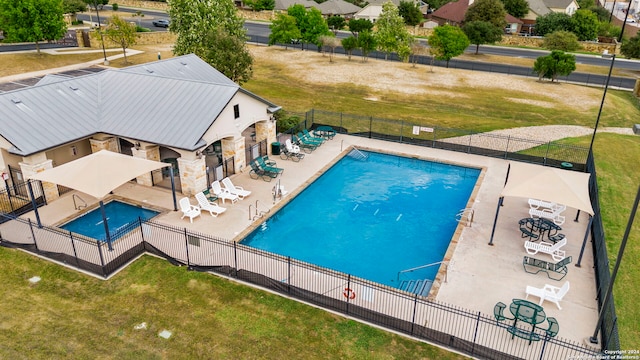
(420, 287)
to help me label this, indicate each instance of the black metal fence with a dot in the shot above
(15, 198)
(609, 326)
(506, 147)
(575, 77)
(470, 332)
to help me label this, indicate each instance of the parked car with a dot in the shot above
(161, 23)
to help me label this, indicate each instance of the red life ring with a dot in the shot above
(349, 294)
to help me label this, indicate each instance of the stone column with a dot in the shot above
(38, 163)
(193, 175)
(234, 148)
(109, 143)
(148, 153)
(266, 130)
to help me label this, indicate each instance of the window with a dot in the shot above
(236, 111)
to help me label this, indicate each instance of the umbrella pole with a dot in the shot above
(173, 189)
(106, 226)
(577, 216)
(33, 203)
(495, 220)
(584, 242)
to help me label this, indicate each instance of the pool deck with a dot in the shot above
(486, 274)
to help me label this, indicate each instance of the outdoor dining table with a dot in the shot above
(541, 226)
(326, 132)
(528, 312)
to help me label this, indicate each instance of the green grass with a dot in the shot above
(71, 315)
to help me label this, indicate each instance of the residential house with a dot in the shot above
(174, 110)
(283, 5)
(338, 8)
(453, 14)
(373, 10)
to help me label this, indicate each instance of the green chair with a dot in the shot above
(553, 327)
(498, 311)
(310, 139)
(256, 172)
(268, 168)
(305, 146)
(308, 135)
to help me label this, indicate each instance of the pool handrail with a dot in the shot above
(446, 263)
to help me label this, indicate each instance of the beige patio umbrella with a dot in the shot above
(98, 174)
(570, 188)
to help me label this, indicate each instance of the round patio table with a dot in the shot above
(326, 132)
(527, 311)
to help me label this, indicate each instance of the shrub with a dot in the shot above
(141, 29)
(286, 122)
(114, 7)
(561, 40)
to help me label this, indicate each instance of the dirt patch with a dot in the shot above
(383, 76)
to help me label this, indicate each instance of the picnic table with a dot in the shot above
(541, 226)
(529, 313)
(324, 131)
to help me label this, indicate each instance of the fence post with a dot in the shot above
(348, 287)
(546, 155)
(288, 274)
(413, 317)
(33, 235)
(341, 120)
(401, 130)
(73, 245)
(186, 245)
(370, 125)
(104, 271)
(544, 344)
(235, 257)
(475, 334)
(469, 145)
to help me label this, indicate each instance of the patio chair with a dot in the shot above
(537, 204)
(305, 146)
(309, 138)
(235, 190)
(288, 152)
(498, 311)
(258, 172)
(550, 293)
(553, 328)
(268, 161)
(268, 168)
(534, 266)
(307, 134)
(213, 208)
(188, 210)
(223, 194)
(548, 214)
(547, 248)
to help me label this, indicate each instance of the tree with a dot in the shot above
(366, 43)
(410, 12)
(336, 22)
(96, 3)
(283, 29)
(193, 20)
(491, 11)
(561, 40)
(447, 42)
(585, 25)
(586, 4)
(481, 32)
(310, 22)
(356, 26)
(331, 42)
(260, 5)
(554, 64)
(122, 33)
(436, 4)
(32, 20)
(74, 6)
(417, 49)
(631, 48)
(602, 14)
(553, 21)
(516, 8)
(391, 33)
(228, 54)
(349, 44)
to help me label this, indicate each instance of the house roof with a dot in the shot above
(170, 102)
(557, 4)
(284, 4)
(337, 7)
(538, 7)
(453, 11)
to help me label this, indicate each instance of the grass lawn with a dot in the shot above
(74, 316)
(70, 314)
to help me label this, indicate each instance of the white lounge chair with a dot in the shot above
(188, 210)
(236, 190)
(291, 147)
(213, 208)
(550, 293)
(538, 204)
(548, 214)
(223, 194)
(547, 248)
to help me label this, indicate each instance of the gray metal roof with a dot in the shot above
(284, 4)
(558, 4)
(337, 7)
(538, 7)
(171, 102)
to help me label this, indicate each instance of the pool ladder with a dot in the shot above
(258, 214)
(465, 216)
(82, 205)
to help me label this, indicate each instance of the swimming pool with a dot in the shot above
(372, 218)
(119, 215)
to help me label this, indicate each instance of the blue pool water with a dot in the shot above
(372, 218)
(118, 215)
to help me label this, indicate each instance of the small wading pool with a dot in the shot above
(119, 215)
(372, 218)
